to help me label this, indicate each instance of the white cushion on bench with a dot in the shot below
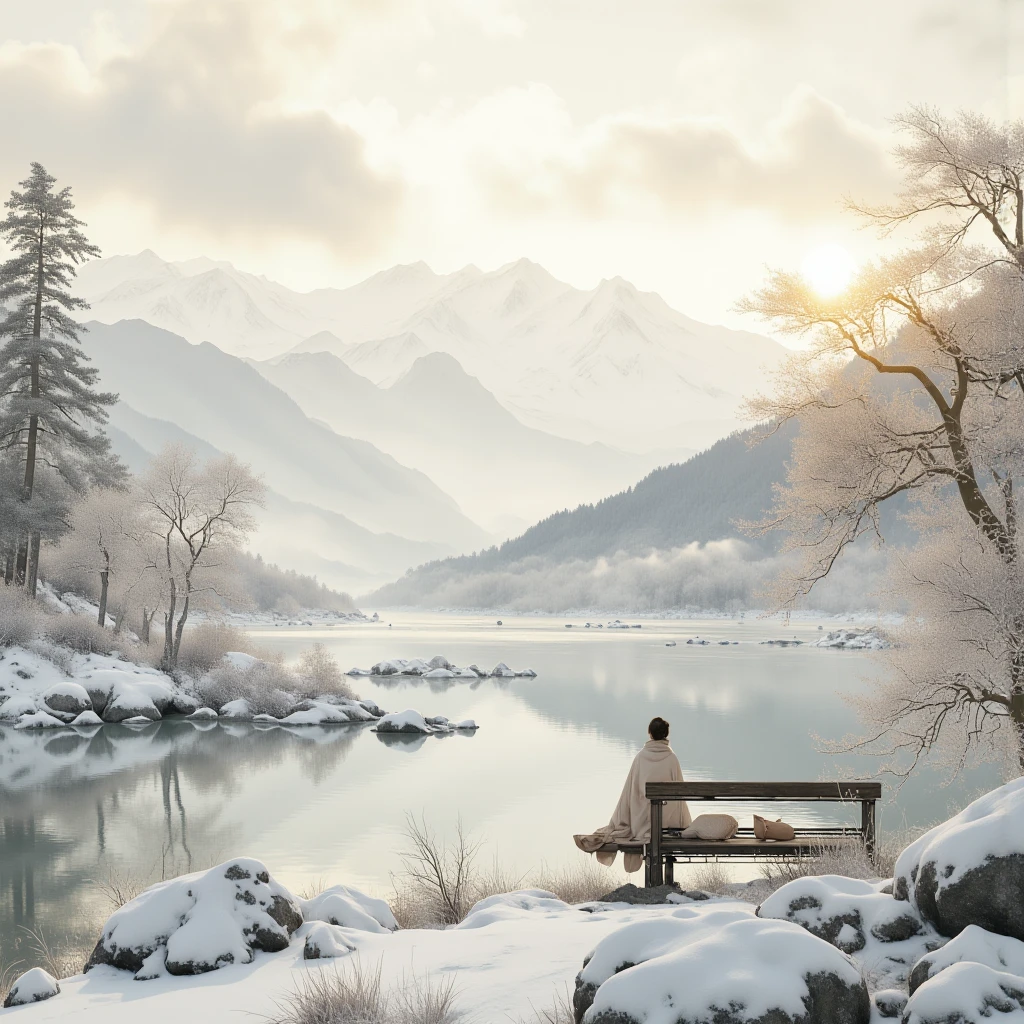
(711, 827)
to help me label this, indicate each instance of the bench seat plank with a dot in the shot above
(837, 791)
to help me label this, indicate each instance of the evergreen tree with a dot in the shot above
(51, 413)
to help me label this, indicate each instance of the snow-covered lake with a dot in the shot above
(547, 761)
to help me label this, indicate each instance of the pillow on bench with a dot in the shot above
(711, 827)
(777, 830)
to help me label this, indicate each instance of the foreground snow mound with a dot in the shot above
(510, 906)
(854, 640)
(970, 869)
(739, 971)
(968, 993)
(349, 908)
(858, 918)
(32, 987)
(972, 945)
(326, 942)
(200, 922)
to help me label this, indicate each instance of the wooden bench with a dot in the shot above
(664, 849)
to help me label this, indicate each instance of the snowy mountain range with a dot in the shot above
(611, 364)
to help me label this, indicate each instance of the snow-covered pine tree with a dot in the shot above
(51, 411)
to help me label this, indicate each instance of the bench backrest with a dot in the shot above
(838, 792)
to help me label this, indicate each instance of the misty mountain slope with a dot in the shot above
(609, 364)
(227, 404)
(293, 534)
(637, 533)
(443, 421)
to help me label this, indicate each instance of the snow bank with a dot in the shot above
(967, 993)
(509, 906)
(857, 917)
(326, 942)
(709, 959)
(199, 923)
(970, 869)
(437, 667)
(854, 640)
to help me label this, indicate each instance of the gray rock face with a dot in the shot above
(67, 699)
(990, 895)
(630, 893)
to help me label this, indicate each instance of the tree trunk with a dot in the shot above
(181, 627)
(32, 576)
(10, 559)
(21, 564)
(122, 614)
(101, 618)
(147, 621)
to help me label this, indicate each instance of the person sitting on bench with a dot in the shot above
(631, 820)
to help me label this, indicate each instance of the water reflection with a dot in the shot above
(79, 807)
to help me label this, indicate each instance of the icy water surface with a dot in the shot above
(80, 812)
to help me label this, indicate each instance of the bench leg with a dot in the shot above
(867, 826)
(670, 870)
(657, 874)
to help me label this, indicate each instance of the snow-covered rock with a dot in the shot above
(14, 707)
(67, 698)
(349, 908)
(39, 720)
(854, 640)
(326, 942)
(889, 1003)
(973, 945)
(318, 713)
(32, 987)
(970, 869)
(200, 922)
(968, 993)
(237, 709)
(467, 725)
(403, 721)
(713, 963)
(87, 719)
(204, 715)
(437, 667)
(857, 917)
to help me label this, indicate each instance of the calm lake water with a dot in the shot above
(78, 811)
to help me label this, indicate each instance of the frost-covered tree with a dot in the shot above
(200, 513)
(912, 380)
(51, 411)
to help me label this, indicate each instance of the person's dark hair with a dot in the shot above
(658, 729)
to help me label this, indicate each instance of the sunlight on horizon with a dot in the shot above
(828, 269)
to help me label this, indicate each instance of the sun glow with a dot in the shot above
(828, 269)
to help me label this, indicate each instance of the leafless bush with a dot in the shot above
(10, 971)
(440, 883)
(319, 674)
(580, 882)
(266, 685)
(559, 1011)
(710, 877)
(356, 995)
(80, 633)
(120, 886)
(849, 859)
(204, 647)
(21, 620)
(62, 959)
(59, 656)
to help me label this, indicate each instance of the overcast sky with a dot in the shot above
(683, 145)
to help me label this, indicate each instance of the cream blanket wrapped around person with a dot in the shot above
(631, 819)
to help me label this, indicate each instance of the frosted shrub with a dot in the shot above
(319, 674)
(266, 685)
(579, 882)
(21, 620)
(79, 633)
(356, 996)
(204, 647)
